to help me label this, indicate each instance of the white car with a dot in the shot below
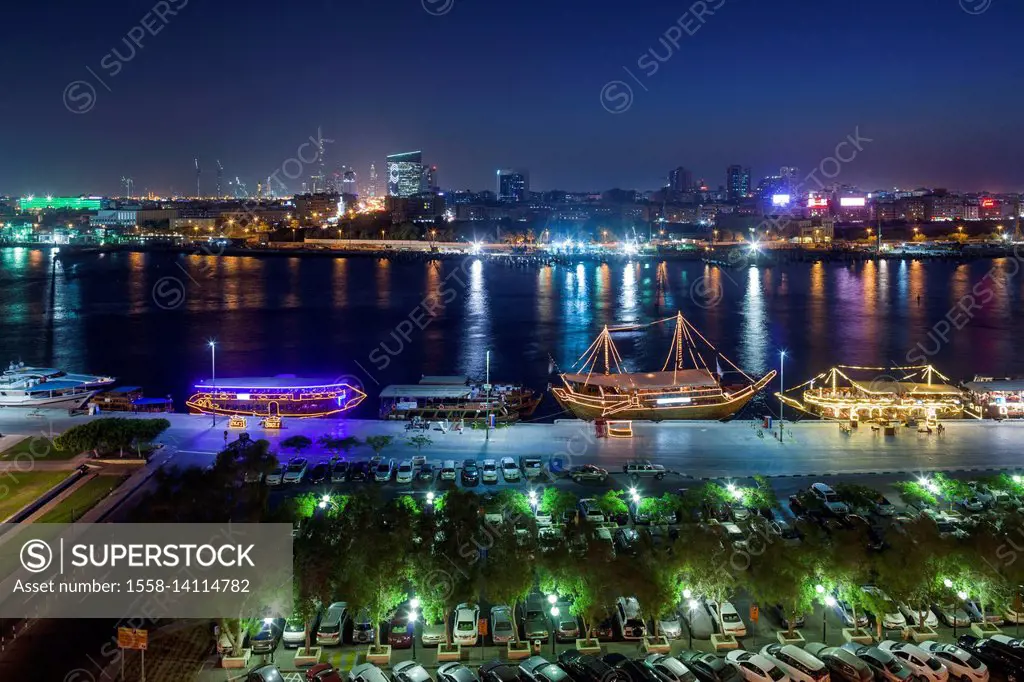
(296, 470)
(489, 471)
(405, 471)
(730, 618)
(961, 664)
(828, 497)
(922, 663)
(466, 628)
(509, 469)
(913, 615)
(670, 625)
(276, 477)
(382, 473)
(892, 617)
(755, 667)
(800, 665)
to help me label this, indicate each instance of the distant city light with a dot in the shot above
(781, 199)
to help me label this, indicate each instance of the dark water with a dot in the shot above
(327, 317)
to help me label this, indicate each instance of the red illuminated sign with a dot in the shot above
(988, 203)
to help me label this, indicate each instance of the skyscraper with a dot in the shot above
(680, 180)
(405, 174)
(737, 182)
(429, 183)
(371, 186)
(348, 182)
(513, 185)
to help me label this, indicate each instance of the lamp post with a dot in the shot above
(554, 625)
(213, 379)
(782, 389)
(487, 387)
(414, 604)
(692, 605)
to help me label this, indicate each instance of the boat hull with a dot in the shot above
(620, 411)
(66, 402)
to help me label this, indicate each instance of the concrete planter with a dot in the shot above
(724, 642)
(985, 629)
(592, 647)
(235, 662)
(656, 645)
(858, 635)
(796, 639)
(921, 633)
(379, 655)
(517, 651)
(448, 652)
(305, 658)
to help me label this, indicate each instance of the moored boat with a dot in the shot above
(600, 389)
(457, 399)
(284, 395)
(47, 387)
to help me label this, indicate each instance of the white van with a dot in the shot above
(797, 663)
(332, 624)
(448, 470)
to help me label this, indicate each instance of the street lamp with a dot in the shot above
(213, 378)
(782, 389)
(830, 602)
(414, 604)
(554, 623)
(692, 605)
(962, 596)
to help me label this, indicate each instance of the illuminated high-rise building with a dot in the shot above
(371, 186)
(737, 182)
(680, 180)
(348, 181)
(513, 185)
(405, 174)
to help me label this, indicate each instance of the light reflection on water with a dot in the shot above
(320, 316)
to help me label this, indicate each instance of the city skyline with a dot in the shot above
(706, 89)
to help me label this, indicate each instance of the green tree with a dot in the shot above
(913, 567)
(378, 443)
(419, 441)
(857, 496)
(556, 502)
(335, 444)
(847, 566)
(611, 503)
(915, 494)
(707, 567)
(297, 442)
(508, 574)
(784, 574)
(654, 583)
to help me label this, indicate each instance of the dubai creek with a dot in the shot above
(145, 318)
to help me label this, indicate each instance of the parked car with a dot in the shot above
(432, 634)
(604, 629)
(400, 630)
(588, 472)
(535, 618)
(842, 664)
(410, 671)
(892, 617)
(1000, 660)
(362, 628)
(643, 469)
(993, 614)
(329, 631)
(845, 614)
(828, 497)
(499, 671)
(425, 474)
(632, 670)
(884, 664)
(883, 507)
(586, 668)
(323, 672)
(470, 472)
(269, 636)
(755, 667)
(729, 618)
(670, 669)
(448, 470)
(590, 511)
(925, 666)
(264, 673)
(509, 470)
(962, 665)
(489, 471)
(709, 668)
(320, 472)
(626, 541)
(531, 467)
(455, 672)
(339, 471)
(950, 616)
(359, 471)
(699, 620)
(783, 618)
(294, 633)
(465, 631)
(276, 475)
(566, 627)
(627, 614)
(405, 472)
(501, 624)
(669, 625)
(296, 470)
(383, 471)
(539, 669)
(797, 663)
(913, 615)
(367, 672)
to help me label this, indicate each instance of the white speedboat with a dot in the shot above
(22, 386)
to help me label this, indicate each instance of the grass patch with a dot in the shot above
(82, 500)
(38, 448)
(19, 488)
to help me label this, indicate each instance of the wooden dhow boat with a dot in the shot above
(685, 388)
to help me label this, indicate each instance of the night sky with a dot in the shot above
(481, 84)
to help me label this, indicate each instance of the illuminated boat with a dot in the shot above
(37, 387)
(281, 396)
(457, 399)
(675, 393)
(852, 393)
(997, 398)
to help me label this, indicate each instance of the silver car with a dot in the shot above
(501, 624)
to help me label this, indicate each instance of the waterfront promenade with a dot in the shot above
(697, 449)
